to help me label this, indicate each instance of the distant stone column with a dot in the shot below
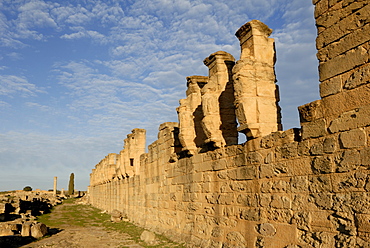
(256, 94)
(190, 114)
(62, 193)
(219, 121)
(55, 186)
(134, 146)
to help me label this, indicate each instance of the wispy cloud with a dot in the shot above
(39, 106)
(11, 85)
(94, 35)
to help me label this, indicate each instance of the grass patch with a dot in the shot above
(73, 214)
(135, 232)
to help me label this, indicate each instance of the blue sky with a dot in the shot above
(77, 76)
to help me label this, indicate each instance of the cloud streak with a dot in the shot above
(11, 85)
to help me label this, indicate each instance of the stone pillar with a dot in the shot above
(256, 94)
(55, 186)
(190, 114)
(134, 146)
(219, 121)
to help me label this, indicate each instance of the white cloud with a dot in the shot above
(94, 35)
(4, 105)
(79, 18)
(14, 56)
(41, 107)
(36, 14)
(33, 15)
(10, 85)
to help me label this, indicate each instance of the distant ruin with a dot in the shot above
(303, 187)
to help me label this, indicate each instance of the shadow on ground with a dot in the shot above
(19, 241)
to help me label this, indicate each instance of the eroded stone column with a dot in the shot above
(134, 146)
(55, 186)
(190, 115)
(256, 94)
(219, 121)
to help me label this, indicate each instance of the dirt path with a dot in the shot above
(77, 225)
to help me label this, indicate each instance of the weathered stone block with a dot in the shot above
(319, 184)
(39, 230)
(317, 149)
(329, 145)
(299, 184)
(331, 86)
(363, 222)
(6, 232)
(196, 177)
(26, 229)
(279, 215)
(349, 160)
(281, 201)
(365, 156)
(288, 151)
(267, 170)
(347, 25)
(350, 181)
(300, 202)
(251, 214)
(243, 173)
(248, 200)
(320, 221)
(323, 164)
(266, 229)
(238, 186)
(359, 117)
(323, 200)
(321, 7)
(254, 157)
(148, 237)
(357, 77)
(219, 164)
(348, 42)
(280, 186)
(205, 166)
(310, 111)
(353, 139)
(313, 129)
(344, 62)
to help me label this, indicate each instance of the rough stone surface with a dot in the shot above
(39, 230)
(148, 237)
(307, 187)
(256, 94)
(219, 121)
(116, 216)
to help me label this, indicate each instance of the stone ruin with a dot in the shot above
(18, 212)
(303, 187)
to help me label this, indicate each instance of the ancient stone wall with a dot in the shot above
(306, 187)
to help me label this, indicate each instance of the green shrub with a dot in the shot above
(27, 188)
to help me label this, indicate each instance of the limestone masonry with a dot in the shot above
(304, 187)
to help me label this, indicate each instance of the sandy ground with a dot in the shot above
(90, 236)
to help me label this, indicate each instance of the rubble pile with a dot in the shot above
(19, 209)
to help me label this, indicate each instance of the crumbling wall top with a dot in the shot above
(254, 27)
(218, 55)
